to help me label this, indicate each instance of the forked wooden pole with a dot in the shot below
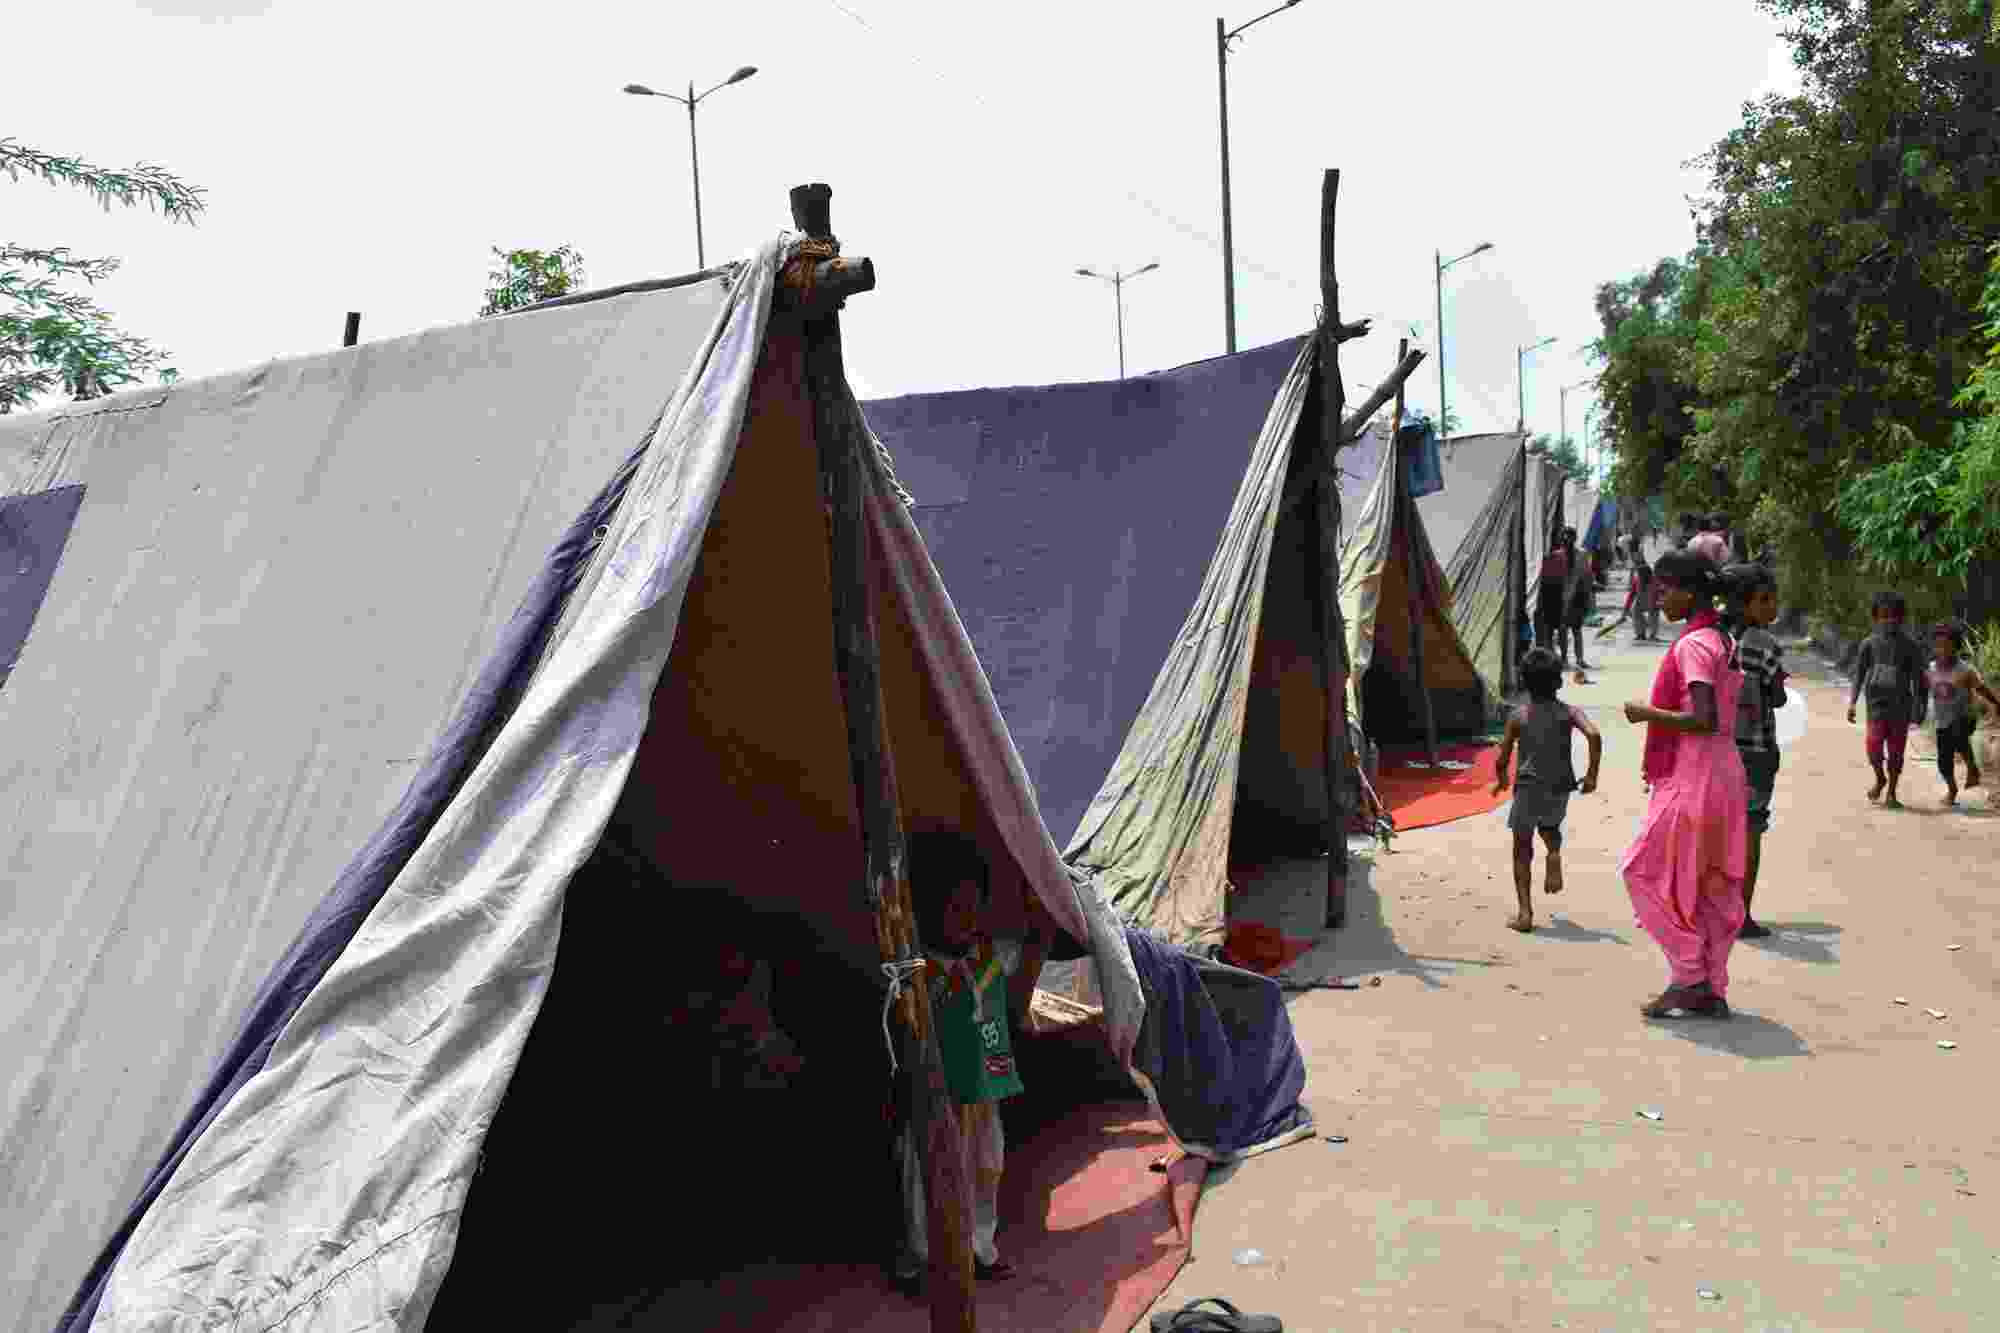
(1419, 584)
(933, 1119)
(1333, 631)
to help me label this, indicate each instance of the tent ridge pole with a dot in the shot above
(932, 1120)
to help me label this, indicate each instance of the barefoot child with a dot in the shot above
(980, 986)
(1891, 670)
(1753, 605)
(1952, 681)
(1542, 727)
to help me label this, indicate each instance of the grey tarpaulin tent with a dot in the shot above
(281, 651)
(1148, 614)
(1477, 521)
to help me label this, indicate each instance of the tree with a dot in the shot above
(1814, 343)
(1563, 453)
(524, 277)
(53, 338)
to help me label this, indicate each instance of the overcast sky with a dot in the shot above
(364, 155)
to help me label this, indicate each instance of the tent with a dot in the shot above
(279, 621)
(1476, 520)
(1147, 607)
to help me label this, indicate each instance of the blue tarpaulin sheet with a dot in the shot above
(1218, 1047)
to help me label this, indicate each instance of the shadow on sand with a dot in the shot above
(1805, 941)
(1562, 928)
(1292, 896)
(1751, 1036)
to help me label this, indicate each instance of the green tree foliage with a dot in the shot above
(56, 338)
(523, 277)
(1563, 453)
(1801, 368)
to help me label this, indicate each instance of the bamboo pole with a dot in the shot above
(933, 1119)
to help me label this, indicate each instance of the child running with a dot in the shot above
(1542, 727)
(1891, 669)
(1952, 681)
(1753, 605)
(1684, 872)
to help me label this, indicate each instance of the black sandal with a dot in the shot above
(1191, 1318)
(1676, 1002)
(997, 1271)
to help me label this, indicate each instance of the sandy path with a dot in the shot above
(1819, 1162)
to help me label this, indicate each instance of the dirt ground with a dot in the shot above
(1818, 1162)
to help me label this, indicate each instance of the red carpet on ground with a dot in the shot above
(1100, 1235)
(1256, 947)
(1423, 797)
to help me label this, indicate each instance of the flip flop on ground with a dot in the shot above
(1225, 1318)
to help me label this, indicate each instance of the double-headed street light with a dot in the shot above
(691, 101)
(1521, 381)
(1222, 41)
(1118, 281)
(1438, 257)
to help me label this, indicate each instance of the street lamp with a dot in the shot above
(1563, 401)
(691, 101)
(1438, 257)
(1222, 40)
(1521, 383)
(1118, 281)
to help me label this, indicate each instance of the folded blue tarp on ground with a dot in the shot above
(1218, 1047)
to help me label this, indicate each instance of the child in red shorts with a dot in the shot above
(1891, 670)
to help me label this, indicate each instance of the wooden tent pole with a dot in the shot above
(1408, 503)
(1300, 487)
(1333, 630)
(933, 1119)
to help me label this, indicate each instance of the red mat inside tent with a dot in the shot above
(1095, 1235)
(1422, 797)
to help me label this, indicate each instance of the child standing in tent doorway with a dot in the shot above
(1542, 727)
(1952, 682)
(1753, 605)
(1891, 671)
(981, 985)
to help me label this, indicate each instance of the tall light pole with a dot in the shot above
(1563, 395)
(1222, 40)
(1438, 256)
(1118, 281)
(691, 101)
(1593, 464)
(1521, 380)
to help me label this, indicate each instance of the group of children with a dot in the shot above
(1711, 754)
(1711, 763)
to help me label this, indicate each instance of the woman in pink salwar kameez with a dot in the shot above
(1684, 872)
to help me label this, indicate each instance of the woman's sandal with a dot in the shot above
(997, 1271)
(1191, 1318)
(1675, 1002)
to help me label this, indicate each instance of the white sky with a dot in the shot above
(364, 155)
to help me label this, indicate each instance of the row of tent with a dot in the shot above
(327, 688)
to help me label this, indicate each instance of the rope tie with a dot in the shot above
(898, 973)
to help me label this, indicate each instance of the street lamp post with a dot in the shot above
(1118, 281)
(691, 101)
(1563, 400)
(1438, 257)
(1222, 40)
(1521, 380)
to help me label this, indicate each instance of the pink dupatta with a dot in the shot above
(1668, 686)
